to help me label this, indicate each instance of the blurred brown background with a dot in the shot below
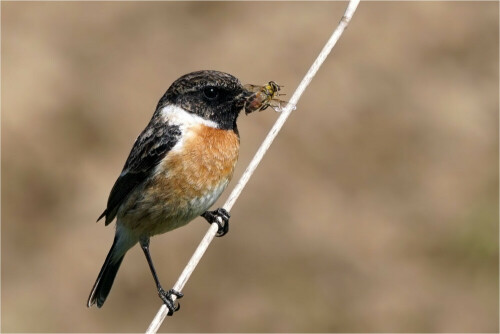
(376, 208)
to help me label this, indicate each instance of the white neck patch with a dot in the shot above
(178, 116)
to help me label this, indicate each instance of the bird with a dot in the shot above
(178, 167)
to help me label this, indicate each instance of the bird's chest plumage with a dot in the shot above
(203, 163)
(190, 178)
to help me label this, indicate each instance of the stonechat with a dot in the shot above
(177, 168)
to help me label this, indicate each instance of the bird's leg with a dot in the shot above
(212, 217)
(166, 296)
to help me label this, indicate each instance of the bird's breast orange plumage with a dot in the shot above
(186, 183)
(208, 158)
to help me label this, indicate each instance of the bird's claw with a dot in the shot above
(213, 217)
(166, 297)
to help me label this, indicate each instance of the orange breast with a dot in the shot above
(206, 160)
(186, 183)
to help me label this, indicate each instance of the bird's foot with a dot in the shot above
(223, 222)
(166, 297)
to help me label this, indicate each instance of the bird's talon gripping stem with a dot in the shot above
(166, 297)
(212, 217)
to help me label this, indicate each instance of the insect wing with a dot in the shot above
(280, 105)
(253, 88)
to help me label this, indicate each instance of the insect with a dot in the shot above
(264, 97)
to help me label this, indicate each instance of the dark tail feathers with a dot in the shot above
(105, 279)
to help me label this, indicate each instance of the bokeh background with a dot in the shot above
(375, 210)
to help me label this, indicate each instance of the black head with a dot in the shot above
(213, 95)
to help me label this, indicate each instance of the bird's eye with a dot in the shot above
(211, 93)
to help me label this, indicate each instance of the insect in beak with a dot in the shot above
(262, 97)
